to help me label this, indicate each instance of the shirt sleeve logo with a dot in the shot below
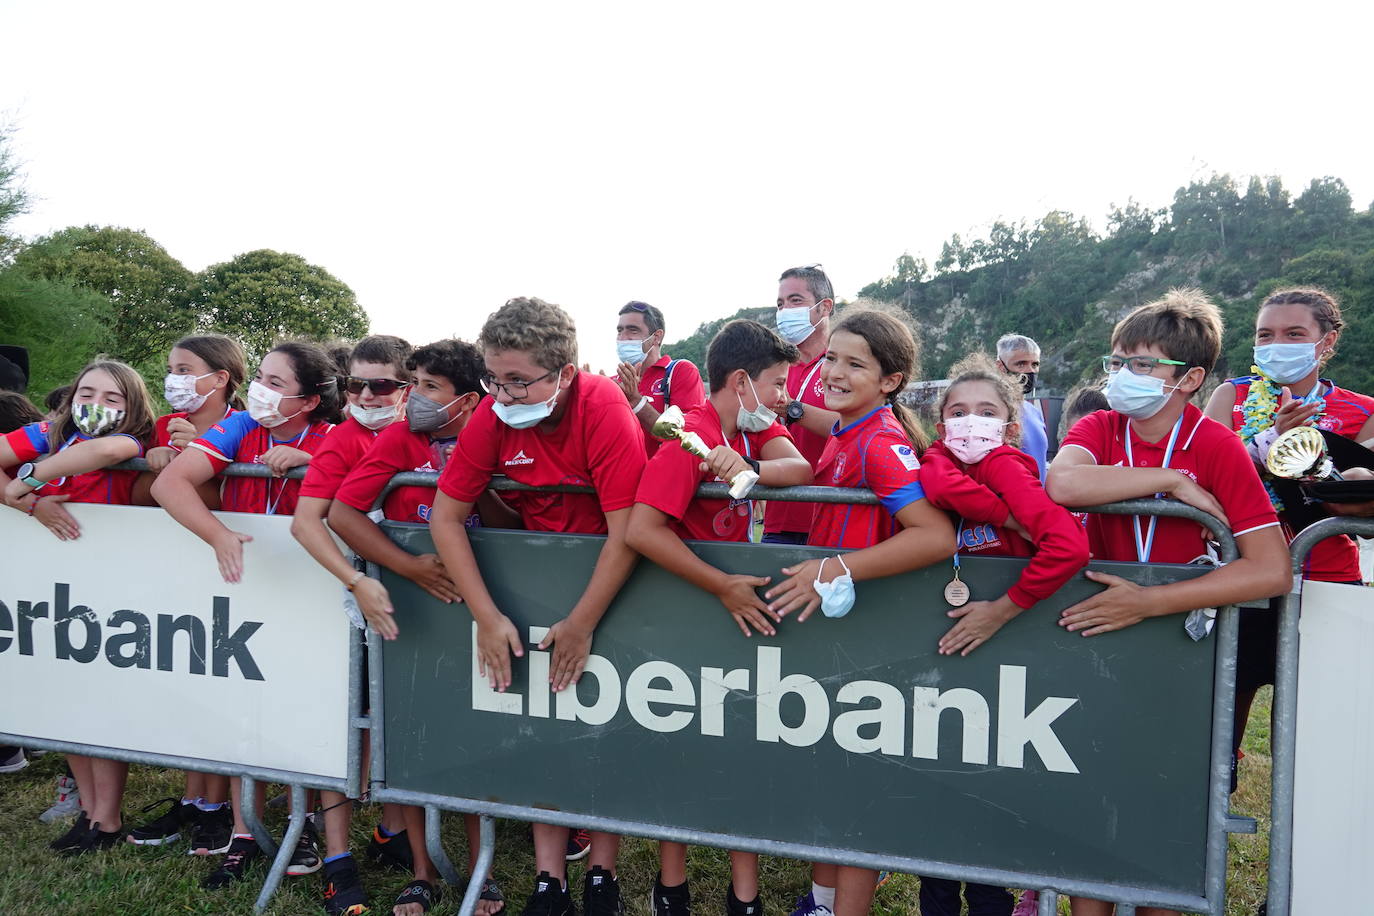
(907, 457)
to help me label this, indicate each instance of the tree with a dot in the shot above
(63, 327)
(14, 198)
(146, 286)
(263, 296)
(1324, 209)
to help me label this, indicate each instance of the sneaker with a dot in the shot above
(93, 840)
(167, 826)
(391, 851)
(1028, 905)
(72, 838)
(343, 889)
(306, 859)
(243, 851)
(12, 759)
(211, 831)
(670, 901)
(550, 898)
(68, 801)
(579, 844)
(736, 907)
(601, 894)
(883, 878)
(806, 905)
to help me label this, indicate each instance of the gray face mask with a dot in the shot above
(424, 415)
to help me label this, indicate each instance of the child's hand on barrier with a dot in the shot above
(1187, 490)
(798, 592)
(158, 458)
(55, 517)
(281, 458)
(724, 462)
(745, 605)
(497, 641)
(572, 643)
(181, 432)
(229, 554)
(978, 622)
(1120, 605)
(427, 571)
(375, 604)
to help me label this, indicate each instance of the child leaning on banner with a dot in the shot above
(545, 424)
(876, 443)
(746, 364)
(292, 404)
(1153, 442)
(105, 418)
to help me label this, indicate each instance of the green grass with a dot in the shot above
(153, 881)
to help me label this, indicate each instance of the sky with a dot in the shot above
(442, 158)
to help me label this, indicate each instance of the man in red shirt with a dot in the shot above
(651, 380)
(806, 300)
(545, 424)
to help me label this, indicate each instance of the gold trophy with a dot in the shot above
(1300, 454)
(669, 426)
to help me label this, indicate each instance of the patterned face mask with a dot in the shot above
(96, 419)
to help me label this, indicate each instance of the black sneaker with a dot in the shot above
(243, 851)
(72, 838)
(601, 894)
(579, 844)
(93, 840)
(670, 901)
(167, 826)
(550, 898)
(343, 889)
(211, 831)
(391, 851)
(736, 907)
(306, 859)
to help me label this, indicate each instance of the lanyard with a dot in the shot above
(272, 503)
(806, 383)
(958, 543)
(1314, 395)
(744, 437)
(1142, 548)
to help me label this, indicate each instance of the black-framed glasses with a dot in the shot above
(380, 386)
(513, 390)
(1138, 365)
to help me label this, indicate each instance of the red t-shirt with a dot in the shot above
(1206, 451)
(1335, 559)
(596, 443)
(343, 448)
(397, 449)
(803, 384)
(116, 488)
(238, 437)
(1060, 544)
(687, 393)
(670, 481)
(873, 452)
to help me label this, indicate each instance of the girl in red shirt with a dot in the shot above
(105, 418)
(870, 358)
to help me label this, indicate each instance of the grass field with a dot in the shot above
(162, 882)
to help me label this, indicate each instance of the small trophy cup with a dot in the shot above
(1300, 454)
(669, 426)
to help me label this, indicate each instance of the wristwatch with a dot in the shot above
(25, 473)
(794, 413)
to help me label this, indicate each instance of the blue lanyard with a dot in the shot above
(958, 542)
(273, 503)
(1143, 547)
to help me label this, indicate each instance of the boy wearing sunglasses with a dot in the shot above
(651, 380)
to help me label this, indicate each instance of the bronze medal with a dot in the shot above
(956, 592)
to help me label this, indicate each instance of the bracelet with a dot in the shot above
(357, 577)
(640, 406)
(34, 505)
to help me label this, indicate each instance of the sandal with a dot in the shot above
(421, 892)
(492, 891)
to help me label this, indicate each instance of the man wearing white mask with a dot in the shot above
(651, 380)
(1019, 355)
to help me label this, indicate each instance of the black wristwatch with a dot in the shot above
(794, 413)
(752, 462)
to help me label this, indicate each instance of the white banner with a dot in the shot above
(1333, 796)
(128, 637)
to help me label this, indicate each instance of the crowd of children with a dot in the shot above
(816, 401)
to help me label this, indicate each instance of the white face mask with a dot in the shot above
(180, 392)
(794, 324)
(837, 595)
(972, 438)
(523, 416)
(1137, 396)
(630, 351)
(756, 420)
(263, 404)
(374, 417)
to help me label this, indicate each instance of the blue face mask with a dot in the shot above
(630, 351)
(523, 416)
(837, 595)
(1137, 396)
(1286, 363)
(794, 324)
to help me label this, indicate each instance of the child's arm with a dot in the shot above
(650, 534)
(371, 543)
(79, 458)
(1076, 479)
(176, 491)
(307, 527)
(780, 464)
(949, 488)
(281, 458)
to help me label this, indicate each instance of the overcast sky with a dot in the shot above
(442, 158)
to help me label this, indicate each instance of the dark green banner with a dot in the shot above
(1043, 751)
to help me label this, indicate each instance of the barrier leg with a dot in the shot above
(1284, 755)
(247, 796)
(486, 851)
(1048, 902)
(435, 847)
(287, 848)
(356, 725)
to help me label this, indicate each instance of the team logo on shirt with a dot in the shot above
(423, 511)
(977, 537)
(727, 519)
(1331, 424)
(659, 387)
(907, 457)
(519, 458)
(839, 468)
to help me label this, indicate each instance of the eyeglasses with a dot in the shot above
(637, 306)
(380, 386)
(1138, 365)
(516, 390)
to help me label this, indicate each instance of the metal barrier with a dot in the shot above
(1286, 709)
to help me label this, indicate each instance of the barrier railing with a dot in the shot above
(1286, 709)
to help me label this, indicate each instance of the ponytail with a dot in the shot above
(920, 441)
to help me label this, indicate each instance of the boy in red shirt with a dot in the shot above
(545, 424)
(651, 380)
(1152, 442)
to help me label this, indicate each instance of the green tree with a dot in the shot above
(263, 296)
(62, 326)
(1323, 210)
(146, 286)
(14, 198)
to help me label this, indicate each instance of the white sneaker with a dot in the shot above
(15, 762)
(68, 801)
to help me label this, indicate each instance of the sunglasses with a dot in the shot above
(379, 386)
